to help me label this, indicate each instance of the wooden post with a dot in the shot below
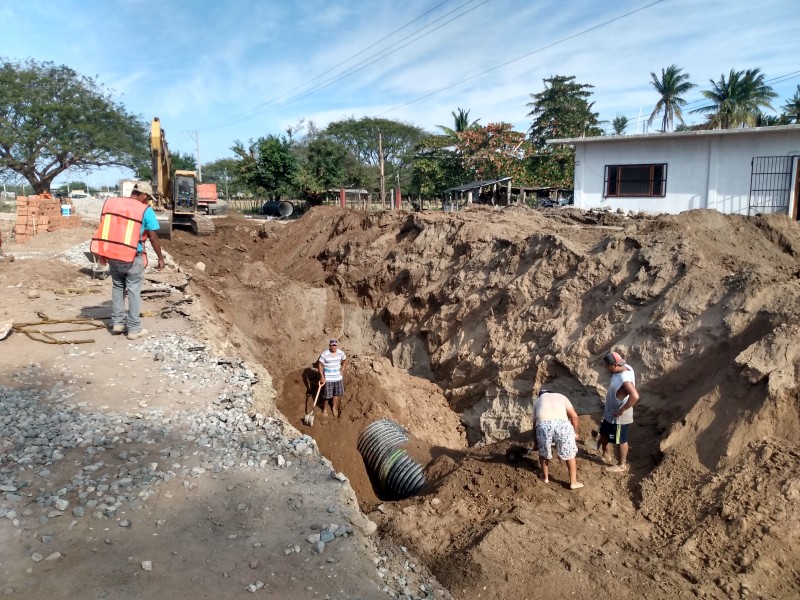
(398, 198)
(342, 200)
(380, 164)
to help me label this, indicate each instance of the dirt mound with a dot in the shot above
(488, 304)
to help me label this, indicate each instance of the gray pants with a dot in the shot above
(127, 276)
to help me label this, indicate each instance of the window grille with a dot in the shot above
(636, 180)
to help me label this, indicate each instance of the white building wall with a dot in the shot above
(703, 171)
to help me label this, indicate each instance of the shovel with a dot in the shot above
(309, 418)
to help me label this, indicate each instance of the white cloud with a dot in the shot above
(239, 62)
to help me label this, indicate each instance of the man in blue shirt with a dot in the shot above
(130, 275)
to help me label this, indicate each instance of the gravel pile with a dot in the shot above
(40, 426)
(114, 462)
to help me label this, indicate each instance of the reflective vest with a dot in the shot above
(120, 230)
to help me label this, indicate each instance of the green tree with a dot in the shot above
(324, 168)
(53, 119)
(360, 137)
(437, 166)
(792, 107)
(561, 110)
(670, 87)
(267, 163)
(225, 172)
(461, 123)
(183, 162)
(620, 123)
(178, 162)
(737, 100)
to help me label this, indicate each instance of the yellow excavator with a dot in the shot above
(176, 195)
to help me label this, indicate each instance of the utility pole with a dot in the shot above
(196, 138)
(227, 196)
(380, 163)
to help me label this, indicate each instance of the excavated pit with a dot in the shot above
(451, 321)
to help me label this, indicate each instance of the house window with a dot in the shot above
(636, 180)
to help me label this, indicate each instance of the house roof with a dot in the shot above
(477, 184)
(675, 134)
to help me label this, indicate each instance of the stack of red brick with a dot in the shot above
(37, 214)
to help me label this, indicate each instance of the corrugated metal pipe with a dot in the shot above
(399, 475)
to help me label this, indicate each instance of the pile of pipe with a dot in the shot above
(398, 475)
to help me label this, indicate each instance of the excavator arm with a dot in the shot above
(162, 166)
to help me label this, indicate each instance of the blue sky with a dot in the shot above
(236, 69)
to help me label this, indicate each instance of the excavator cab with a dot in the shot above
(184, 188)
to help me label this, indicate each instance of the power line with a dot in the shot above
(384, 53)
(271, 103)
(513, 60)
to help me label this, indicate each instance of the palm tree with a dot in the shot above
(460, 123)
(736, 102)
(791, 109)
(764, 120)
(619, 124)
(670, 87)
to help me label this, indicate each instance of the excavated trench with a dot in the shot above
(451, 321)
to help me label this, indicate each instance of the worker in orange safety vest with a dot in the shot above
(125, 225)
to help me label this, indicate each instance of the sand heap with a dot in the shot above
(488, 304)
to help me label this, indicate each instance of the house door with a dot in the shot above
(771, 185)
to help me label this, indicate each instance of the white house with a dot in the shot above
(745, 171)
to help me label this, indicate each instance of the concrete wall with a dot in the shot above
(703, 171)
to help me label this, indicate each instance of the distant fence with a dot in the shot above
(253, 205)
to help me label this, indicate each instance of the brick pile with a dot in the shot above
(40, 214)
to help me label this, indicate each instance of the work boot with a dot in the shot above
(117, 329)
(138, 334)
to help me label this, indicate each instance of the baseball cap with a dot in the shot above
(613, 358)
(144, 187)
(333, 342)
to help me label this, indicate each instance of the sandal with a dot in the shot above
(617, 468)
(575, 486)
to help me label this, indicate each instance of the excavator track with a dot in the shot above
(202, 225)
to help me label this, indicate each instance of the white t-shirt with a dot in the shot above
(613, 404)
(551, 406)
(332, 364)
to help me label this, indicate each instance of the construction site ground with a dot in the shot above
(451, 322)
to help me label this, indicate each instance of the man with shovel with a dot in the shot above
(331, 364)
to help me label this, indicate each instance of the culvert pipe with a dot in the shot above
(380, 445)
(277, 208)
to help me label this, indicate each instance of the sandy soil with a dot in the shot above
(453, 320)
